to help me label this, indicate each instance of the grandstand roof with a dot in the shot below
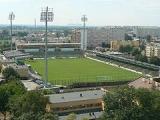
(16, 54)
(26, 44)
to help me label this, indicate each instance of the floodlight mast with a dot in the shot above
(84, 20)
(46, 16)
(11, 18)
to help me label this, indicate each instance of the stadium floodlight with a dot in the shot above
(84, 20)
(11, 18)
(46, 16)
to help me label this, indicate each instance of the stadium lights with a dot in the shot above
(46, 16)
(11, 18)
(84, 20)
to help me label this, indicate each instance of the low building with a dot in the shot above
(77, 102)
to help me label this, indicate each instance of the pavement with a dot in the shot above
(141, 83)
(30, 85)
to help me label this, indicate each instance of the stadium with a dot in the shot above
(68, 65)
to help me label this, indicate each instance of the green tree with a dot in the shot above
(141, 58)
(9, 74)
(136, 51)
(126, 49)
(155, 60)
(33, 116)
(7, 91)
(4, 98)
(33, 102)
(131, 104)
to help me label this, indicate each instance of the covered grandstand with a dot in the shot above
(15, 54)
(54, 49)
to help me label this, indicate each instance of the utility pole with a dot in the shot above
(11, 18)
(84, 20)
(46, 16)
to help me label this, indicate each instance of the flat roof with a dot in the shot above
(76, 96)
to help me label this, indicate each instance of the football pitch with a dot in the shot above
(68, 71)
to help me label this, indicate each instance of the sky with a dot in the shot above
(99, 12)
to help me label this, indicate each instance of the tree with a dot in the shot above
(136, 51)
(7, 91)
(131, 104)
(9, 73)
(33, 102)
(125, 49)
(4, 98)
(71, 116)
(141, 58)
(155, 60)
(33, 116)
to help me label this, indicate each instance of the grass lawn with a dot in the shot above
(68, 71)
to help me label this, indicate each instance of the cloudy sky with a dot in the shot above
(99, 12)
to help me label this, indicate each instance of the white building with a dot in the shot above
(153, 49)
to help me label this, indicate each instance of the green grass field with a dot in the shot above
(68, 71)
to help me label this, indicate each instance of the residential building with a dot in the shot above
(152, 49)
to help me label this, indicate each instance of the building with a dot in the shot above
(116, 44)
(77, 102)
(152, 49)
(98, 35)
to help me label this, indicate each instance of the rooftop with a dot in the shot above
(15, 53)
(76, 96)
(26, 44)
